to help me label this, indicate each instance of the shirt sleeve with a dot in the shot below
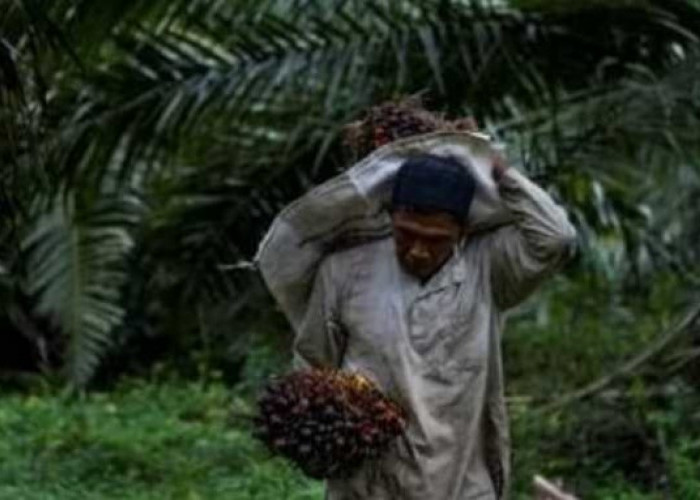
(320, 340)
(539, 241)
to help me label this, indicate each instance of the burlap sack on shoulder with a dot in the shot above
(351, 209)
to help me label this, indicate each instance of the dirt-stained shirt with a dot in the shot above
(435, 347)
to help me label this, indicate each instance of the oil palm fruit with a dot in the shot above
(325, 421)
(394, 120)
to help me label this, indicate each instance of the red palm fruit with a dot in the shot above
(395, 120)
(327, 422)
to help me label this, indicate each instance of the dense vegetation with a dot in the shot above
(146, 146)
(163, 437)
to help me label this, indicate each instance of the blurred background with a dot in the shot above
(145, 147)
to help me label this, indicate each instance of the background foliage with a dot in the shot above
(146, 146)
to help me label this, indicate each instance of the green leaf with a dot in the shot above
(76, 269)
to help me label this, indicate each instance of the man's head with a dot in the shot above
(430, 203)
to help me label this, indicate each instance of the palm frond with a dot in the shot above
(76, 259)
(167, 82)
(625, 160)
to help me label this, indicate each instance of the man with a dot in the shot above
(421, 314)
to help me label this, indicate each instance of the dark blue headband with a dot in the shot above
(434, 183)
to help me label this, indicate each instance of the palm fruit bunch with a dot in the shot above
(326, 421)
(394, 120)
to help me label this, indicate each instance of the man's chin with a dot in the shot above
(421, 273)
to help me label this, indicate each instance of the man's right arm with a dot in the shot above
(320, 340)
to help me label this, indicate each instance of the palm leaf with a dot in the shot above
(76, 259)
(624, 159)
(169, 81)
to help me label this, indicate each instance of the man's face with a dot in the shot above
(424, 241)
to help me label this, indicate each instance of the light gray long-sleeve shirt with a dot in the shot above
(435, 347)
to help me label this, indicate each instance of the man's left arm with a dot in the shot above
(536, 244)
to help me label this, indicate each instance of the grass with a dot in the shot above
(140, 442)
(178, 440)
